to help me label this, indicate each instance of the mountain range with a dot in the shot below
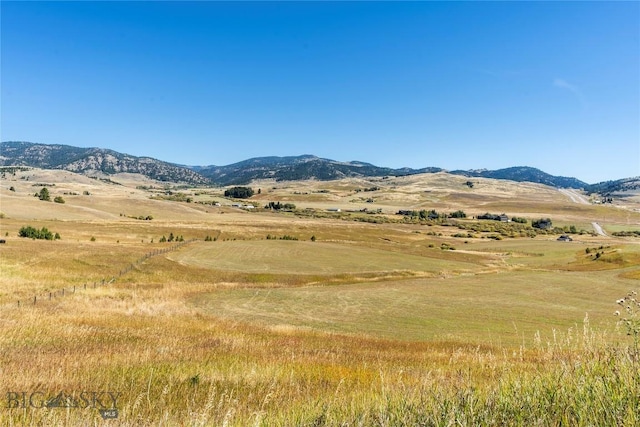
(93, 160)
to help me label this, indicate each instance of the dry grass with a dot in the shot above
(368, 325)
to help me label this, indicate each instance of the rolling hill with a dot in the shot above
(298, 168)
(291, 168)
(525, 173)
(620, 185)
(93, 160)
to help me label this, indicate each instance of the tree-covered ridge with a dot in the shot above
(525, 174)
(297, 168)
(290, 168)
(620, 185)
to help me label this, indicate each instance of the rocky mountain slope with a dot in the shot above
(92, 160)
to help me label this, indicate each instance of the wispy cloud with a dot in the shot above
(575, 90)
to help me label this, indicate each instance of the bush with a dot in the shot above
(58, 199)
(489, 216)
(458, 214)
(33, 233)
(542, 223)
(44, 195)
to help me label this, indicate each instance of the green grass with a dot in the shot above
(499, 309)
(297, 257)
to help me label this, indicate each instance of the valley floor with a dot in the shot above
(151, 310)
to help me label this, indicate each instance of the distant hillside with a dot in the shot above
(297, 168)
(292, 168)
(88, 160)
(620, 185)
(528, 174)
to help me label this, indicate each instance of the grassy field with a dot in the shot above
(386, 323)
(491, 309)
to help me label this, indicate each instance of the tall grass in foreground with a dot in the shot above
(180, 370)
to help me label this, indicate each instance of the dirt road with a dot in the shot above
(598, 229)
(582, 200)
(574, 196)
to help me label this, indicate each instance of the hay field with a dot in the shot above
(384, 322)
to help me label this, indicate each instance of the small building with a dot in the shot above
(504, 218)
(565, 238)
(333, 210)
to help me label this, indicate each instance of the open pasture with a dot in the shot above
(293, 257)
(387, 323)
(488, 309)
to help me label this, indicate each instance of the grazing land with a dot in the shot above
(166, 305)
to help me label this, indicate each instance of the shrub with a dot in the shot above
(542, 223)
(58, 199)
(278, 206)
(44, 195)
(458, 214)
(287, 237)
(34, 233)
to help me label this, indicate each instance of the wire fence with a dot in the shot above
(49, 296)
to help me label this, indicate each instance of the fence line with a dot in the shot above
(104, 282)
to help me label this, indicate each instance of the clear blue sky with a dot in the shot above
(458, 85)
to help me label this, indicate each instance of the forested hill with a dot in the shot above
(298, 168)
(91, 160)
(618, 186)
(525, 173)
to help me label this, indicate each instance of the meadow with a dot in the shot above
(369, 323)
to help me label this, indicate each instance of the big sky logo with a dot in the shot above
(106, 402)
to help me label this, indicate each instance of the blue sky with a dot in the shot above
(457, 85)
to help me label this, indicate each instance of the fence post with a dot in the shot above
(49, 295)
(34, 300)
(62, 291)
